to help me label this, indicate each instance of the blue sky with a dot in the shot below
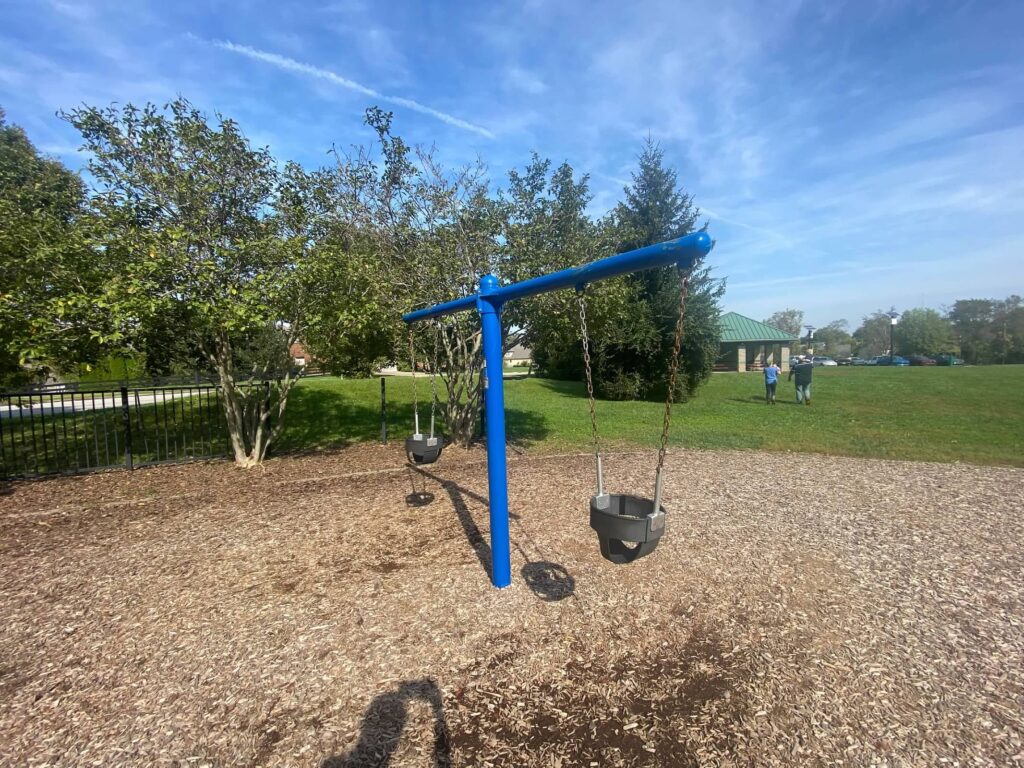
(850, 156)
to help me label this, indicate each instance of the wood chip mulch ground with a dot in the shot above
(336, 611)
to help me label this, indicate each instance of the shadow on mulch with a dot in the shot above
(457, 495)
(549, 581)
(579, 717)
(419, 497)
(384, 723)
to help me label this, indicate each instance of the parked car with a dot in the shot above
(948, 360)
(921, 360)
(860, 361)
(891, 360)
(844, 361)
(819, 360)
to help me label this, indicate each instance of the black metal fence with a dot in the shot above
(57, 432)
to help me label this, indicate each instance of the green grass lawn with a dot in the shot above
(936, 414)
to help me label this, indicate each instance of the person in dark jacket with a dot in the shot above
(802, 370)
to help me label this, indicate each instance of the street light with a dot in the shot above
(893, 314)
(810, 338)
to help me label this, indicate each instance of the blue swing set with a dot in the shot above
(621, 518)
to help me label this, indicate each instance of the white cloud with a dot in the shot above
(291, 65)
(524, 80)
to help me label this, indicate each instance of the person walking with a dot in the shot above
(802, 370)
(771, 379)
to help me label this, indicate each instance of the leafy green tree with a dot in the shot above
(833, 337)
(432, 232)
(989, 330)
(923, 332)
(1008, 331)
(41, 255)
(872, 337)
(208, 239)
(548, 229)
(973, 323)
(789, 320)
(632, 362)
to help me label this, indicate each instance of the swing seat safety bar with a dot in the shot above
(684, 251)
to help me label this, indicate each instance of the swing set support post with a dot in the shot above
(684, 252)
(494, 409)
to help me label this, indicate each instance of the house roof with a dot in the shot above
(739, 328)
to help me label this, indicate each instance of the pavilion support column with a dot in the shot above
(784, 358)
(741, 358)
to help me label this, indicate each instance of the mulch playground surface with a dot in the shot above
(336, 611)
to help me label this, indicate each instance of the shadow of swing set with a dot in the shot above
(628, 527)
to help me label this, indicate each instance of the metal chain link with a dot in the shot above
(674, 367)
(433, 374)
(412, 362)
(581, 297)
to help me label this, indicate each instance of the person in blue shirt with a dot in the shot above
(771, 379)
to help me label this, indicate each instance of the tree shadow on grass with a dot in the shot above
(384, 722)
(578, 389)
(319, 418)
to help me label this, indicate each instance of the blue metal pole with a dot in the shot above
(494, 407)
(683, 251)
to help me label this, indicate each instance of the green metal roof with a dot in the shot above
(739, 328)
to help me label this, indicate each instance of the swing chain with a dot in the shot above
(433, 375)
(581, 298)
(412, 362)
(674, 367)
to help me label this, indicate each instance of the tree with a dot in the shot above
(433, 232)
(872, 338)
(923, 332)
(41, 254)
(632, 361)
(547, 229)
(989, 330)
(832, 337)
(789, 320)
(205, 237)
(1009, 330)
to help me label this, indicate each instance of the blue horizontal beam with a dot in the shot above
(683, 251)
(438, 310)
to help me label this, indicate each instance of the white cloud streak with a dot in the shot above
(298, 67)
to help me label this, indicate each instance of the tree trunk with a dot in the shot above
(462, 378)
(249, 408)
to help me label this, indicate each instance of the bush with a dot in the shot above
(619, 384)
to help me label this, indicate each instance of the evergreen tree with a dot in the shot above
(634, 361)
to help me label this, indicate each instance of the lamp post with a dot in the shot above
(893, 314)
(810, 339)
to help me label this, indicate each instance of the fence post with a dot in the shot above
(126, 417)
(383, 413)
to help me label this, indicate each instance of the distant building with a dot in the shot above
(299, 355)
(519, 355)
(747, 345)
